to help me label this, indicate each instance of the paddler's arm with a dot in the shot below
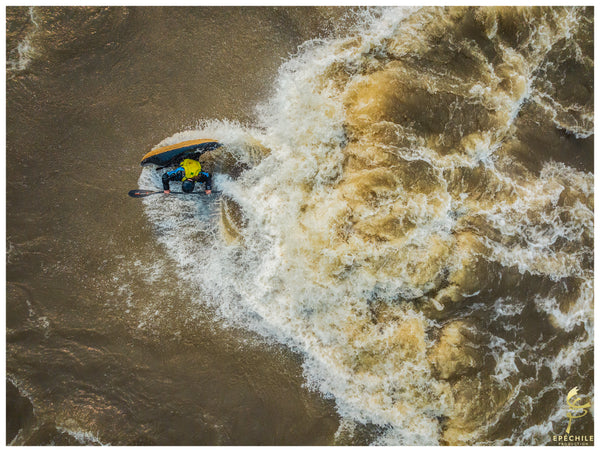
(172, 175)
(207, 179)
(208, 184)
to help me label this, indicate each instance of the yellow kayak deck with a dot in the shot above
(172, 154)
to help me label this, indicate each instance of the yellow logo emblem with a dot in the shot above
(575, 410)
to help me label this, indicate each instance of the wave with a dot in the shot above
(394, 218)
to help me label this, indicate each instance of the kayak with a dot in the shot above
(175, 153)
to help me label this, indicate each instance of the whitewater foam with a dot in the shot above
(343, 218)
(25, 51)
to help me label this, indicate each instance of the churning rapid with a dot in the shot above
(413, 213)
(398, 248)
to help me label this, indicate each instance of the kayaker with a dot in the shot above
(189, 172)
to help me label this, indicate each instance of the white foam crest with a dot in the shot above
(82, 436)
(535, 249)
(505, 355)
(505, 367)
(579, 313)
(504, 307)
(565, 320)
(574, 118)
(380, 26)
(25, 50)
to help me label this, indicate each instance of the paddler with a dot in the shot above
(189, 173)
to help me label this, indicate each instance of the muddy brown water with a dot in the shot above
(403, 253)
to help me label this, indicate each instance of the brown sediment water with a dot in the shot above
(401, 250)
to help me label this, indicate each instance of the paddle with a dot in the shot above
(144, 193)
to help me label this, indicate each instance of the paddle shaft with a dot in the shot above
(144, 193)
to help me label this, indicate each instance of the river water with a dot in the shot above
(400, 252)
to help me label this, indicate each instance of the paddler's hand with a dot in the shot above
(208, 192)
(167, 191)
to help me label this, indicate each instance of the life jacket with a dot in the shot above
(192, 168)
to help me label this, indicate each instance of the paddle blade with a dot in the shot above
(142, 193)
